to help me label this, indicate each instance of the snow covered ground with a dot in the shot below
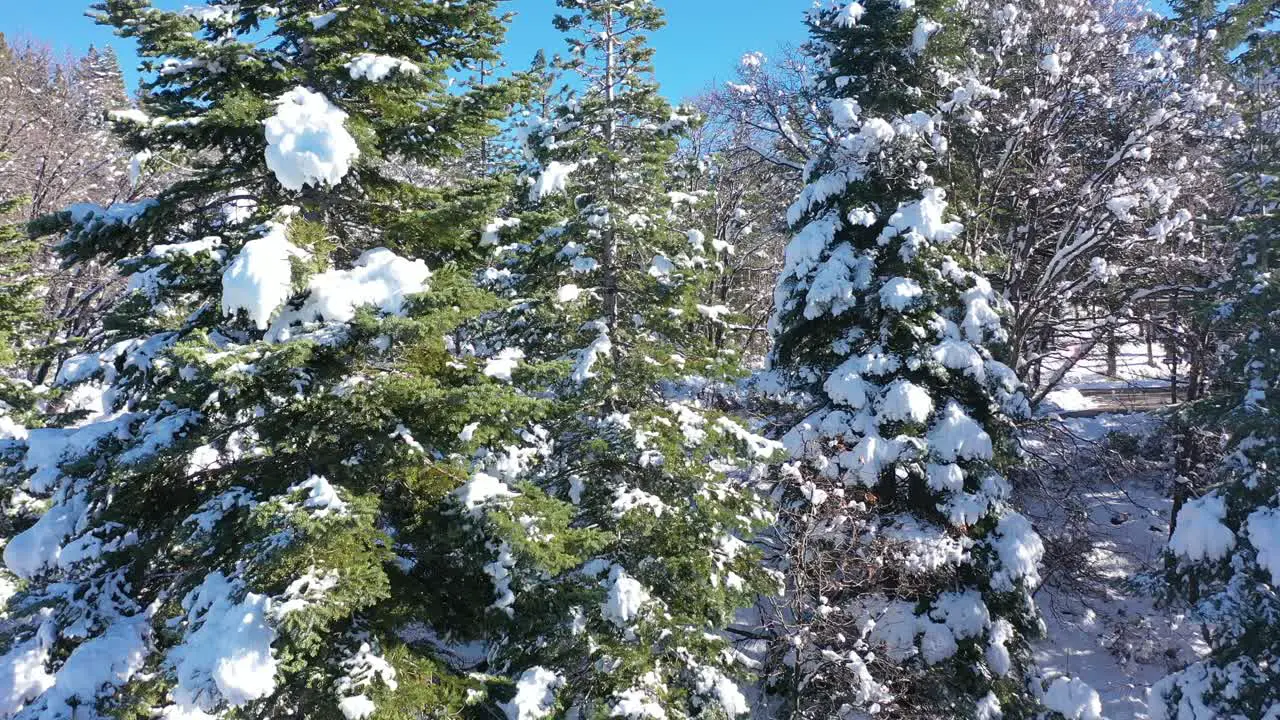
(1135, 368)
(1105, 515)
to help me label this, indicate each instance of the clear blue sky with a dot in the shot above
(701, 43)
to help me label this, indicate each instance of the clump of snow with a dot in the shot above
(920, 34)
(535, 696)
(713, 683)
(568, 293)
(1199, 533)
(373, 67)
(1068, 400)
(625, 599)
(850, 15)
(1074, 699)
(481, 489)
(1262, 527)
(107, 661)
(260, 278)
(587, 357)
(905, 401)
(899, 293)
(307, 142)
(321, 496)
(636, 704)
(501, 365)
(1019, 549)
(225, 654)
(552, 179)
(360, 671)
(956, 435)
(380, 278)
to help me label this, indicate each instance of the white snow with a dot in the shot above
(920, 34)
(356, 707)
(1074, 699)
(904, 401)
(1019, 550)
(716, 684)
(1068, 399)
(925, 217)
(568, 293)
(899, 293)
(625, 599)
(956, 435)
(535, 695)
(481, 489)
(307, 142)
(373, 67)
(260, 278)
(850, 15)
(380, 278)
(225, 654)
(636, 704)
(501, 365)
(1262, 527)
(1199, 533)
(587, 357)
(321, 496)
(552, 179)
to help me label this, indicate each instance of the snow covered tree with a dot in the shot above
(1092, 179)
(908, 574)
(1224, 551)
(604, 273)
(264, 505)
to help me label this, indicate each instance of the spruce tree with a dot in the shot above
(909, 575)
(1224, 552)
(273, 514)
(20, 305)
(604, 271)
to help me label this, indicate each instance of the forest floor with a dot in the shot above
(1101, 499)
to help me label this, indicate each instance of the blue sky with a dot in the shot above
(700, 45)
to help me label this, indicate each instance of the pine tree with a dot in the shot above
(605, 273)
(1224, 552)
(909, 575)
(20, 316)
(273, 511)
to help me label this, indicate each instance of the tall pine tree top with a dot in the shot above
(602, 267)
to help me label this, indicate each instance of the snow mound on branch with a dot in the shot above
(226, 652)
(1200, 534)
(956, 435)
(625, 599)
(372, 67)
(260, 278)
(535, 695)
(899, 293)
(1074, 699)
(501, 365)
(552, 180)
(108, 660)
(307, 143)
(322, 497)
(1263, 528)
(380, 278)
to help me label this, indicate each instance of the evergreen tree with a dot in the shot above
(272, 511)
(1224, 552)
(605, 274)
(20, 316)
(909, 576)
